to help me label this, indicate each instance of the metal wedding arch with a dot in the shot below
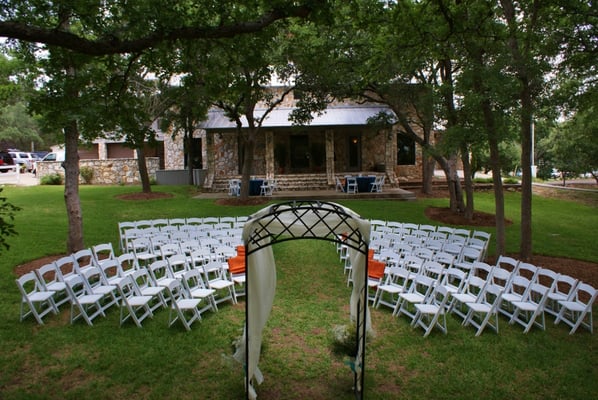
(291, 221)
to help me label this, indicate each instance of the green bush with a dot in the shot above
(51, 179)
(86, 174)
(511, 181)
(482, 180)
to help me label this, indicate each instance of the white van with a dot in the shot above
(53, 156)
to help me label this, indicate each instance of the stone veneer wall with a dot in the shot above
(174, 150)
(226, 156)
(114, 171)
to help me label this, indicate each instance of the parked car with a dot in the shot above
(5, 159)
(52, 156)
(24, 159)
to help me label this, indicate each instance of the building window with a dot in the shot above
(405, 150)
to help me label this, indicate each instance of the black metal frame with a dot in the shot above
(351, 238)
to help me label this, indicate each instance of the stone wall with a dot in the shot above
(115, 171)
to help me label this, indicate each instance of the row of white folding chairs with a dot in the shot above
(95, 289)
(180, 224)
(436, 241)
(450, 253)
(410, 228)
(225, 231)
(479, 297)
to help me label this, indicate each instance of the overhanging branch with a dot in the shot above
(114, 45)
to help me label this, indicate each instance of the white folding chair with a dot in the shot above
(178, 265)
(122, 229)
(234, 187)
(431, 313)
(145, 287)
(101, 252)
(67, 266)
(516, 290)
(339, 185)
(128, 263)
(96, 282)
(266, 188)
(169, 249)
(485, 309)
(142, 249)
(469, 293)
(84, 303)
(182, 308)
(579, 306)
(396, 281)
(84, 260)
(196, 288)
(160, 273)
(561, 291)
(51, 279)
(215, 277)
(35, 300)
(377, 184)
(530, 310)
(352, 185)
(418, 292)
(132, 303)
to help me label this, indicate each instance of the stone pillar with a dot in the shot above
(390, 157)
(269, 155)
(102, 150)
(330, 167)
(210, 161)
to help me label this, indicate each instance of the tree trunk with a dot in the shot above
(247, 167)
(525, 249)
(428, 174)
(469, 205)
(71, 189)
(190, 150)
(143, 174)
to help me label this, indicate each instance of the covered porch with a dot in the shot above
(338, 142)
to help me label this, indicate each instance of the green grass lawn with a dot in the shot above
(58, 360)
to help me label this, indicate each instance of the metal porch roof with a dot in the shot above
(279, 118)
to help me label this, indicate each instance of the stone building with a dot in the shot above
(336, 143)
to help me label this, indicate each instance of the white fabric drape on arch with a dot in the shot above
(261, 272)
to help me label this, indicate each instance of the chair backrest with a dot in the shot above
(84, 258)
(29, 283)
(102, 252)
(110, 269)
(67, 266)
(585, 294)
(159, 270)
(412, 263)
(507, 263)
(528, 270)
(48, 273)
(127, 261)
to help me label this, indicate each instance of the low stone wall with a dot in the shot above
(114, 171)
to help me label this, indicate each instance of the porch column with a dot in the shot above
(329, 134)
(210, 162)
(390, 158)
(102, 151)
(269, 154)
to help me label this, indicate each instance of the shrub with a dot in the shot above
(511, 181)
(483, 180)
(86, 174)
(51, 179)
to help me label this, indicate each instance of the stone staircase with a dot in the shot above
(287, 182)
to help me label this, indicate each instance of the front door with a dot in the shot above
(299, 153)
(354, 153)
